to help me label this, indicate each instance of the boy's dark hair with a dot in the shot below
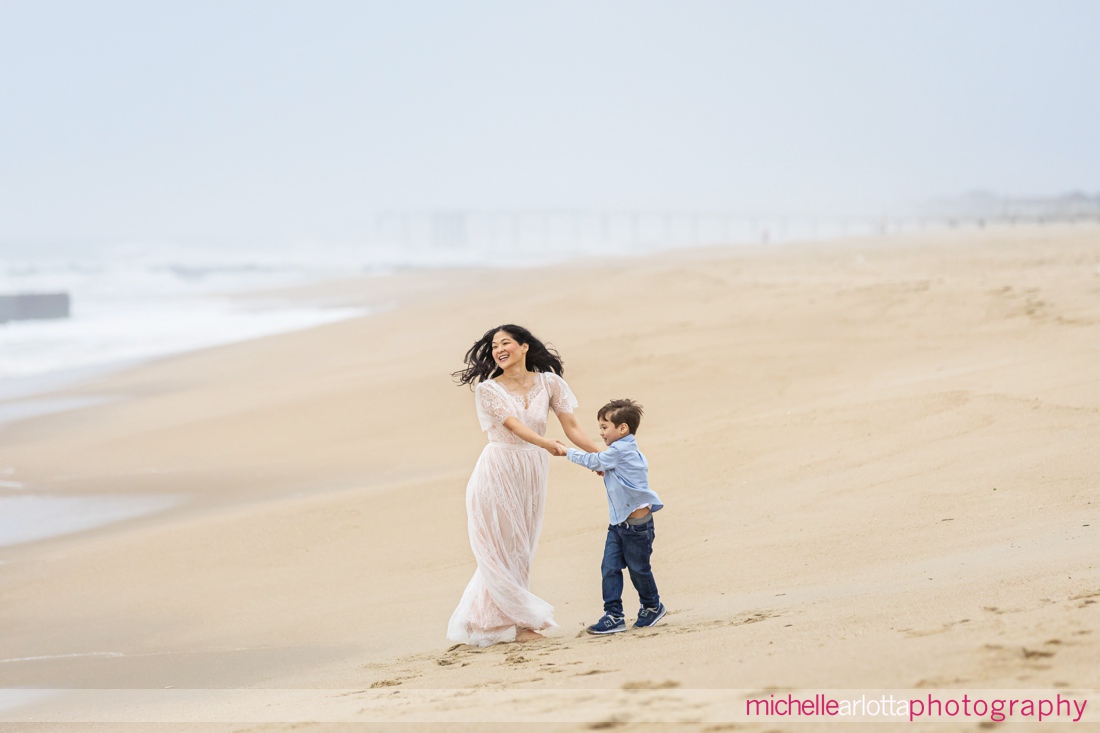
(618, 412)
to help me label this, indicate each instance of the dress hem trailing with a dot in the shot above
(505, 503)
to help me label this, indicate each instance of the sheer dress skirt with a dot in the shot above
(505, 500)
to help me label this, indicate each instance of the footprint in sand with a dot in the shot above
(384, 683)
(1029, 658)
(1086, 600)
(914, 633)
(444, 662)
(1035, 653)
(394, 681)
(454, 655)
(647, 685)
(751, 617)
(938, 682)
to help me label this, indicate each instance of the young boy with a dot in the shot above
(631, 504)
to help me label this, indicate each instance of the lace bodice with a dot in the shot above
(495, 404)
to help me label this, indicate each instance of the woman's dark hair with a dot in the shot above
(479, 359)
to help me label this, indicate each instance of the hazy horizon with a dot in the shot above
(289, 122)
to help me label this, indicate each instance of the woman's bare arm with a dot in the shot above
(525, 433)
(573, 431)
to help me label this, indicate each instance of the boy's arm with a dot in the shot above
(602, 461)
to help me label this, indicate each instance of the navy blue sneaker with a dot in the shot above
(650, 616)
(608, 625)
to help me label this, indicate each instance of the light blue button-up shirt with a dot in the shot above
(625, 476)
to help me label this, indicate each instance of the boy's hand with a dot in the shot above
(560, 449)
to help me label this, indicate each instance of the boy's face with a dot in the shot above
(610, 432)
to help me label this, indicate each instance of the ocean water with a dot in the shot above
(134, 303)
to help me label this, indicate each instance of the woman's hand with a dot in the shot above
(556, 448)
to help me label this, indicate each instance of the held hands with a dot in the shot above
(556, 448)
(560, 449)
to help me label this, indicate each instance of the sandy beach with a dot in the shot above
(879, 459)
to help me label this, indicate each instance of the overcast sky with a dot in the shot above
(218, 121)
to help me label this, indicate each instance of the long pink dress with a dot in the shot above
(505, 499)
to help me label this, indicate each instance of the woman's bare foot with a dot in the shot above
(528, 635)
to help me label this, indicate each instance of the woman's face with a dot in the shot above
(507, 352)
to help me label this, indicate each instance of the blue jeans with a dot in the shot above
(628, 546)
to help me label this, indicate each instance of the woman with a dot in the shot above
(518, 382)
